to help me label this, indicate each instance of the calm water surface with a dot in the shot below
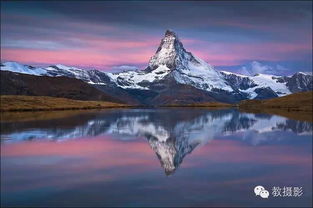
(155, 157)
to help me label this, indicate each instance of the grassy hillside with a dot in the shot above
(36, 103)
(64, 87)
(18, 116)
(295, 106)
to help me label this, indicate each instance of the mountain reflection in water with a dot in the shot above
(171, 133)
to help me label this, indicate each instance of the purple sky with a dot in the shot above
(241, 36)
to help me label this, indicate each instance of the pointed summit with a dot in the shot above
(171, 53)
(170, 33)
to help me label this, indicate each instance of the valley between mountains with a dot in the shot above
(173, 77)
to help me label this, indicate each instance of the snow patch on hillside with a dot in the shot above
(264, 81)
(133, 79)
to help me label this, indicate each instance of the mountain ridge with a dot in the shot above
(174, 75)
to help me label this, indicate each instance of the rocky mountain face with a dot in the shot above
(176, 76)
(299, 82)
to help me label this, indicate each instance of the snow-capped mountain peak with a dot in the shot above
(185, 67)
(170, 53)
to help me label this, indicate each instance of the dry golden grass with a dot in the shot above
(297, 106)
(18, 116)
(37, 103)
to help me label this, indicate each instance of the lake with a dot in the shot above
(154, 157)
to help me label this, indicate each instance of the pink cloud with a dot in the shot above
(73, 57)
(105, 52)
(115, 44)
(235, 53)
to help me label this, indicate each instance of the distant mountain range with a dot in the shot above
(174, 76)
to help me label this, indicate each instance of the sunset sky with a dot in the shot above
(246, 37)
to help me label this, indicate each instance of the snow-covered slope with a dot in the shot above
(139, 79)
(266, 81)
(280, 85)
(89, 76)
(24, 69)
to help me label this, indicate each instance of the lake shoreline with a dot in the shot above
(19, 103)
(19, 115)
(296, 106)
(109, 107)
